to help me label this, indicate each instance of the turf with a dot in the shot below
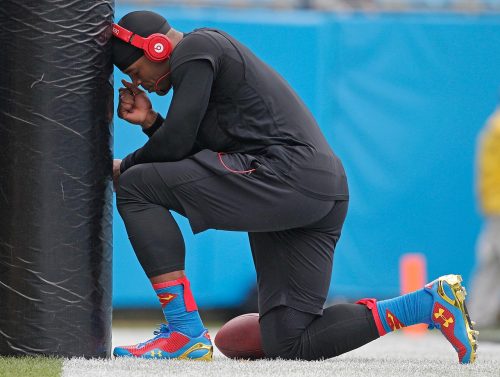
(30, 366)
(393, 355)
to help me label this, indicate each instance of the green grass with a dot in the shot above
(30, 366)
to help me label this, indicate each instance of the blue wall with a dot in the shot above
(400, 98)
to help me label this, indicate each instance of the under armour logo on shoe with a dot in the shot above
(446, 321)
(155, 354)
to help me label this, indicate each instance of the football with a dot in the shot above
(240, 338)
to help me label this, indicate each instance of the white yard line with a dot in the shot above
(394, 355)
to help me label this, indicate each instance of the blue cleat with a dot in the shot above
(449, 314)
(170, 344)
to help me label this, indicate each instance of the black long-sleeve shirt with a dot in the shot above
(173, 138)
(228, 100)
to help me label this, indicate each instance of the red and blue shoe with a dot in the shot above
(170, 344)
(449, 314)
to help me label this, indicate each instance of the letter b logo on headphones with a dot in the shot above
(157, 47)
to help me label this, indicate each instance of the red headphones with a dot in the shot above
(157, 47)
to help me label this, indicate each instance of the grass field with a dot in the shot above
(396, 355)
(393, 355)
(30, 367)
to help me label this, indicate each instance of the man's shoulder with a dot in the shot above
(203, 39)
(199, 44)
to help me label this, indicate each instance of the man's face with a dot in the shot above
(146, 73)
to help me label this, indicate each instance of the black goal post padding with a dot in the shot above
(56, 110)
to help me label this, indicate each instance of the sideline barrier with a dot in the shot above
(56, 107)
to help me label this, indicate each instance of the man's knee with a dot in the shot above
(130, 184)
(281, 332)
(141, 184)
(275, 348)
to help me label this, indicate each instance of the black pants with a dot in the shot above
(292, 236)
(288, 333)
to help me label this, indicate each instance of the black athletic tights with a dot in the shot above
(286, 332)
(291, 334)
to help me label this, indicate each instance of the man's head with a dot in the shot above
(129, 55)
(142, 23)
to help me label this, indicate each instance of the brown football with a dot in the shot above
(240, 338)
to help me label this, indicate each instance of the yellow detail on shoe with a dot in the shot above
(452, 280)
(196, 347)
(155, 354)
(447, 321)
(459, 293)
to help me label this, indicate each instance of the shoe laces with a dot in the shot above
(163, 331)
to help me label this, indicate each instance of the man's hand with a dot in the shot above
(116, 173)
(135, 106)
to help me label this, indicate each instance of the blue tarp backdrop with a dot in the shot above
(400, 98)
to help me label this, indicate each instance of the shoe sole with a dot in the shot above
(455, 283)
(158, 354)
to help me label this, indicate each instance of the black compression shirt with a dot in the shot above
(227, 100)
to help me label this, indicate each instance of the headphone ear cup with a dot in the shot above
(157, 47)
